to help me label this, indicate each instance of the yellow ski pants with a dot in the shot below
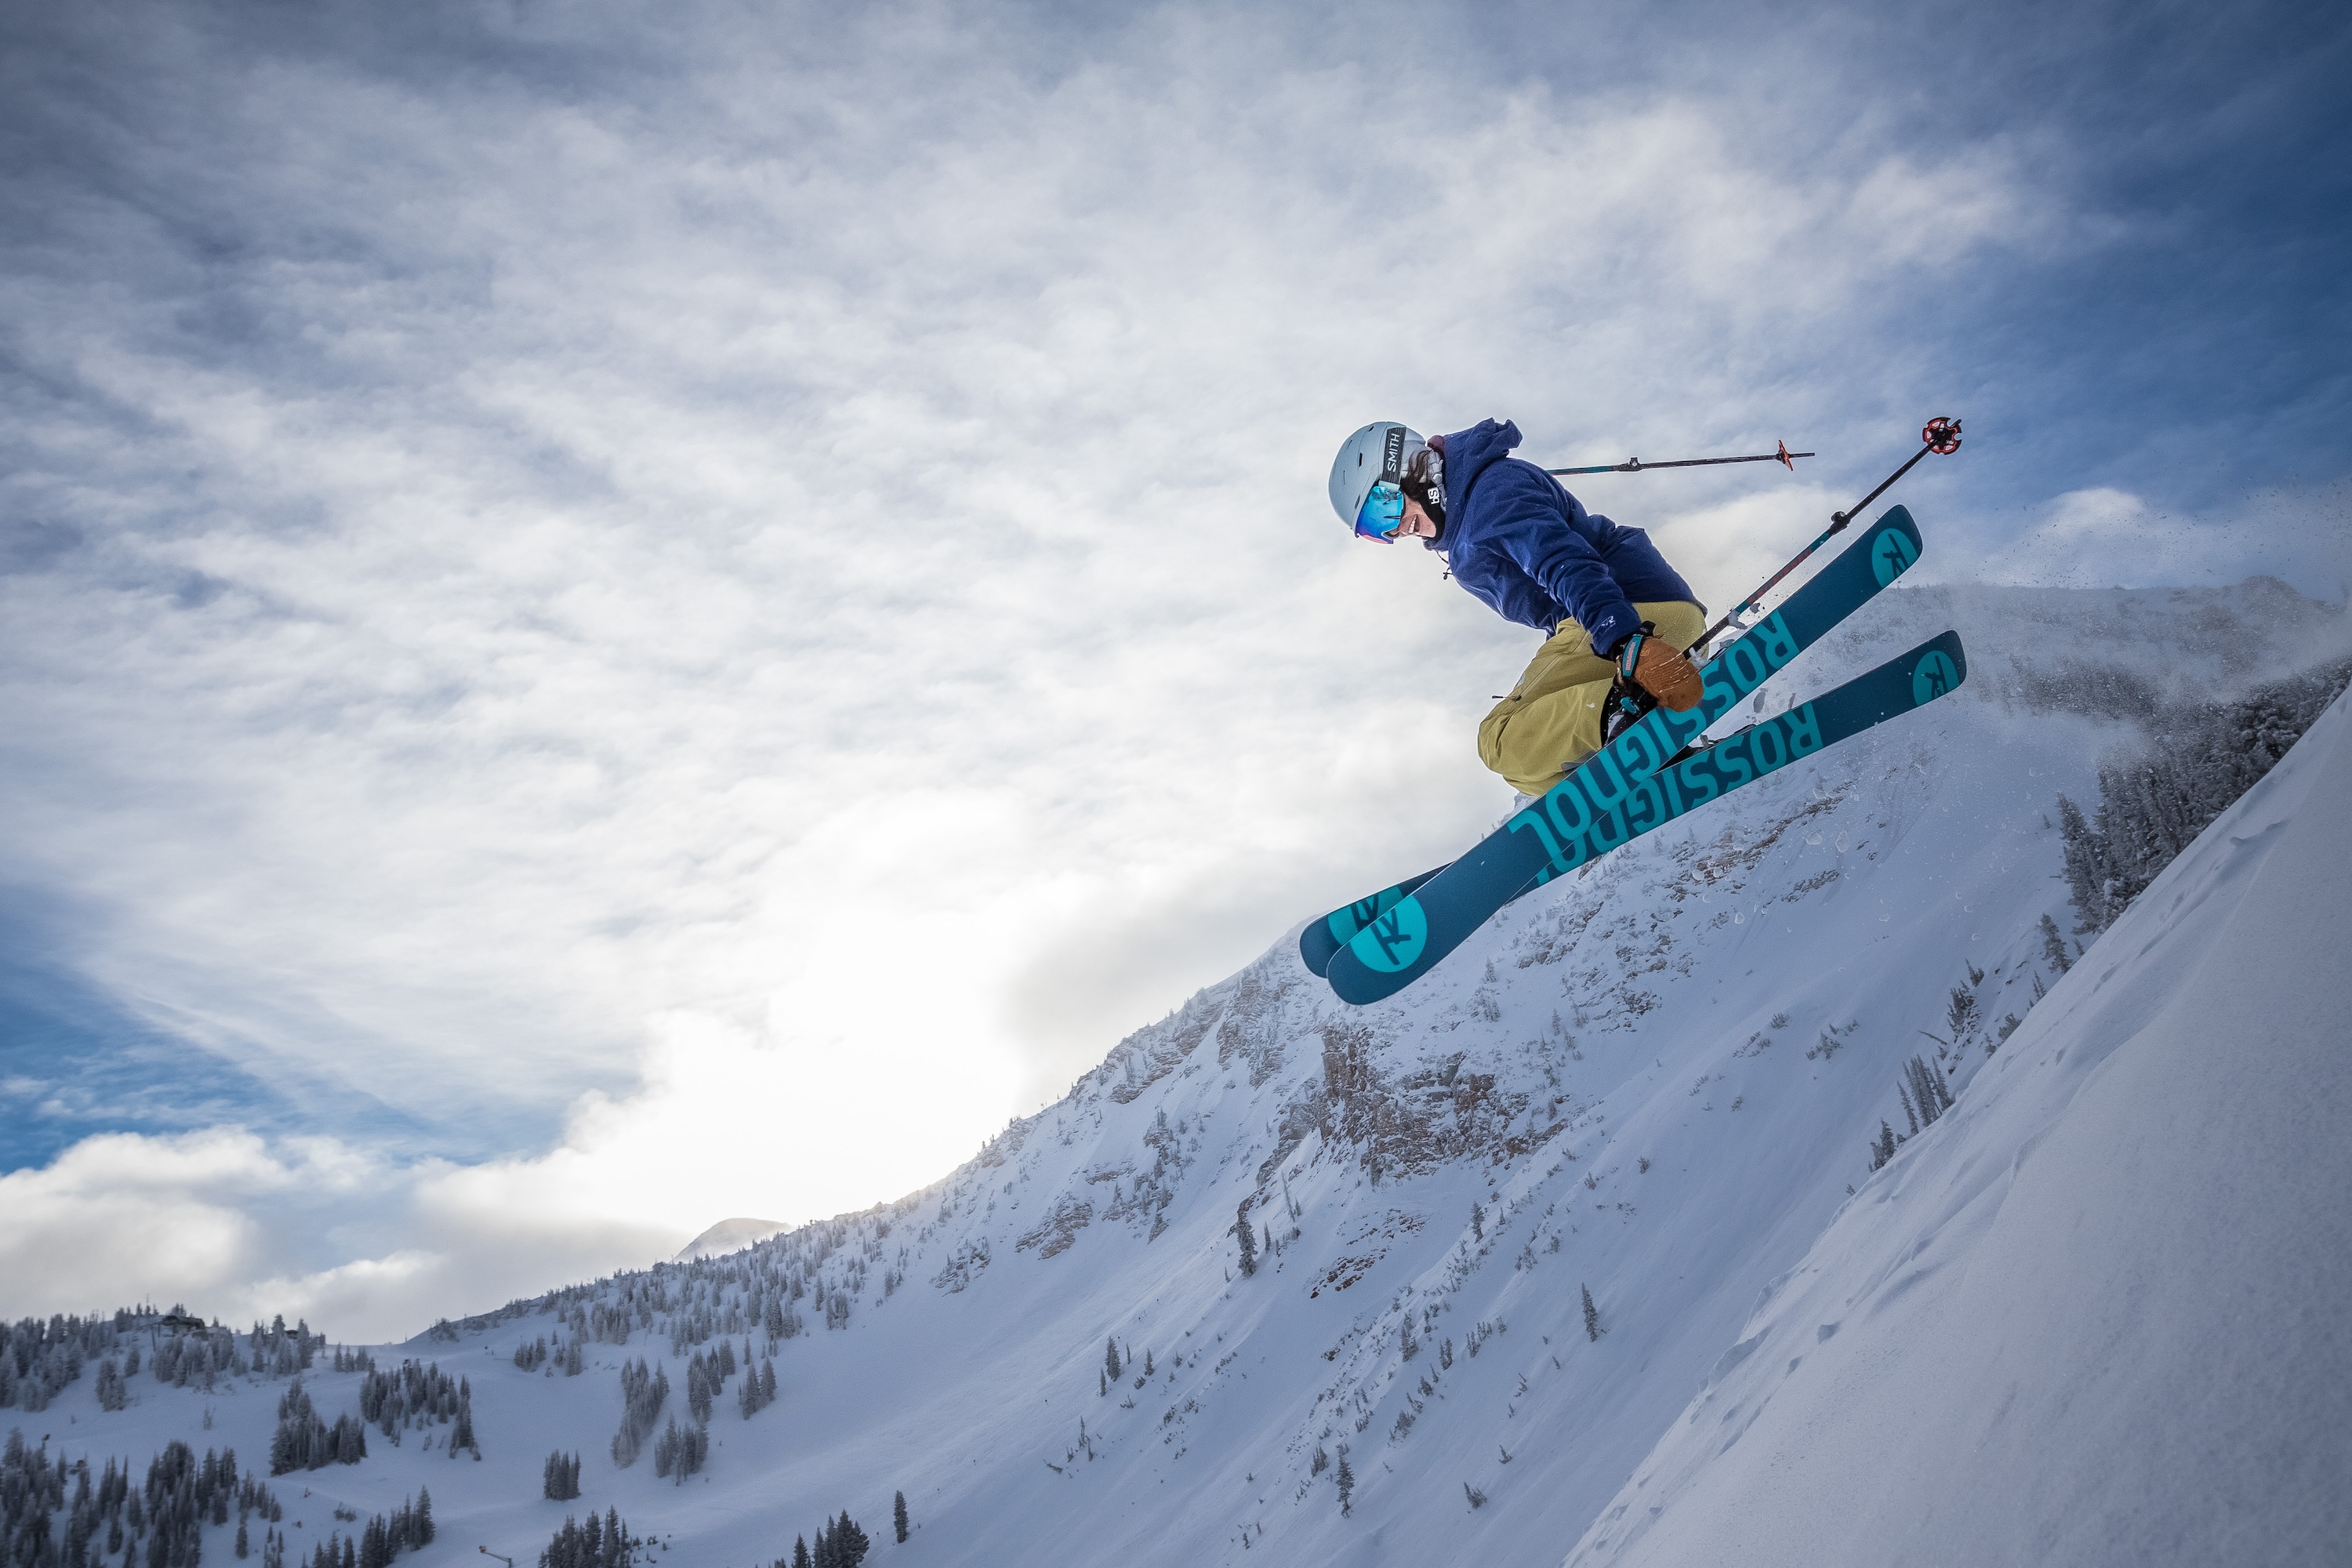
(1551, 720)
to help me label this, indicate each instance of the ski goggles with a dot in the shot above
(1383, 513)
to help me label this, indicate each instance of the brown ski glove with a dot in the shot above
(1658, 667)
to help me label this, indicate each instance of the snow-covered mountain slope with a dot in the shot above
(1657, 1081)
(2097, 1313)
(728, 1235)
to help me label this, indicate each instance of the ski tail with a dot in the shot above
(1852, 579)
(1326, 936)
(1408, 939)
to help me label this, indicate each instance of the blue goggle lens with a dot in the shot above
(1383, 513)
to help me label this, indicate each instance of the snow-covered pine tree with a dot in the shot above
(643, 1389)
(1248, 1238)
(1591, 1316)
(299, 1436)
(2088, 871)
(898, 1516)
(2053, 946)
(1962, 1013)
(1928, 1092)
(112, 1393)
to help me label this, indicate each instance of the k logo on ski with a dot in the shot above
(1932, 677)
(1891, 554)
(1393, 940)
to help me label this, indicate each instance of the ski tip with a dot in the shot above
(1360, 987)
(1323, 939)
(1938, 667)
(1895, 544)
(1384, 957)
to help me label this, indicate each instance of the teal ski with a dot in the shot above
(1573, 827)
(1850, 579)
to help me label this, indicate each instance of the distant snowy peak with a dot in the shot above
(729, 1235)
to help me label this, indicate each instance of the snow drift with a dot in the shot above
(2095, 1314)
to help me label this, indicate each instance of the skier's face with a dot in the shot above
(1389, 515)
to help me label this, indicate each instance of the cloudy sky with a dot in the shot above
(613, 615)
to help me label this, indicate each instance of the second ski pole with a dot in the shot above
(1940, 435)
(1784, 457)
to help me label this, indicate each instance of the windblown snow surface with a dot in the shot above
(2099, 1312)
(2095, 1314)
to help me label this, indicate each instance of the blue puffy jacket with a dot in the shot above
(1527, 547)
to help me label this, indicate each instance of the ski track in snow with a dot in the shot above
(2013, 1343)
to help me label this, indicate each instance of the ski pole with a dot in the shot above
(1940, 434)
(1634, 465)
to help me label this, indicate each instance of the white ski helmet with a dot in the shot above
(1374, 459)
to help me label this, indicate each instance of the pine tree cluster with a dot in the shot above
(39, 1359)
(2154, 799)
(759, 1390)
(161, 1522)
(605, 1544)
(113, 1389)
(305, 1442)
(643, 1391)
(706, 1376)
(562, 1483)
(409, 1526)
(839, 1544)
(280, 1351)
(1922, 1092)
(418, 1394)
(682, 1450)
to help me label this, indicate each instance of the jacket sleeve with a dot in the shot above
(1496, 581)
(1529, 522)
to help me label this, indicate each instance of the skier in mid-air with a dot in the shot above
(1616, 618)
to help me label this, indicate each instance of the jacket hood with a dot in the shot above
(1468, 454)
